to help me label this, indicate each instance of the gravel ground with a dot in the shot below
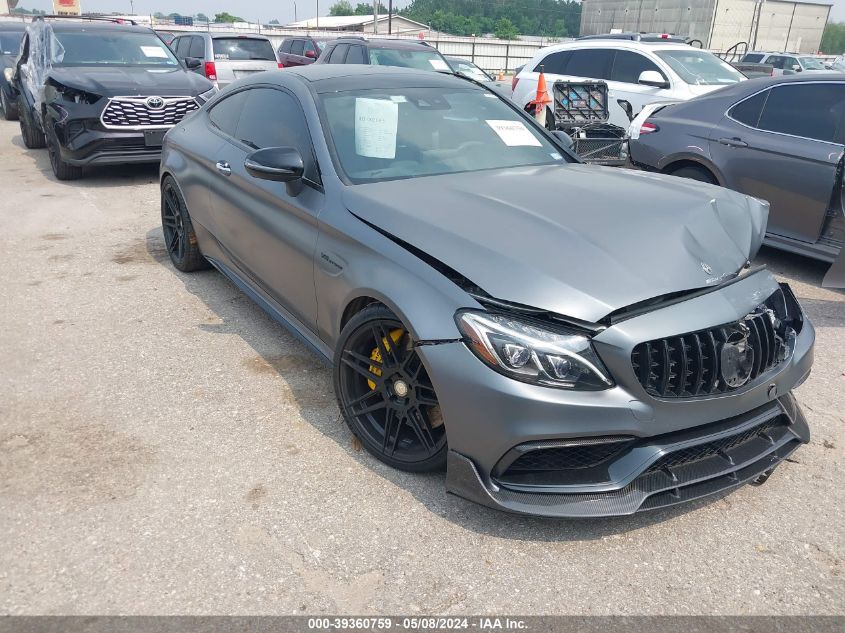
(166, 448)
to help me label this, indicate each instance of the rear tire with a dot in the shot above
(61, 168)
(179, 236)
(33, 137)
(10, 112)
(700, 174)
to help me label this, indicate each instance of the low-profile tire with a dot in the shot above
(33, 138)
(385, 394)
(180, 239)
(10, 109)
(695, 173)
(61, 168)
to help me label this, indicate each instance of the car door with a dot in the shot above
(297, 53)
(269, 233)
(765, 148)
(624, 82)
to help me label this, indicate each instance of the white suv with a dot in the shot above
(786, 63)
(635, 71)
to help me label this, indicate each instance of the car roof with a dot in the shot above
(329, 77)
(218, 36)
(615, 43)
(17, 27)
(71, 26)
(383, 42)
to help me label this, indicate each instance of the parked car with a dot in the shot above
(638, 72)
(779, 139)
(11, 34)
(383, 52)
(224, 58)
(786, 63)
(593, 357)
(468, 69)
(300, 51)
(167, 36)
(99, 92)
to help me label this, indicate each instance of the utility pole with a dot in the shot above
(375, 17)
(318, 14)
(390, 17)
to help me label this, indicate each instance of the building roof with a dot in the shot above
(346, 21)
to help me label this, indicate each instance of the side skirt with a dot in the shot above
(279, 314)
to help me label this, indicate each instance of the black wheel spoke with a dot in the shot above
(371, 408)
(421, 430)
(391, 428)
(385, 345)
(363, 398)
(173, 241)
(426, 396)
(362, 365)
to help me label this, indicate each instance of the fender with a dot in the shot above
(669, 160)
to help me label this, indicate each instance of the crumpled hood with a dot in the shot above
(577, 240)
(128, 81)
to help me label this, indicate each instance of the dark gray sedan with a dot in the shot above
(567, 340)
(778, 139)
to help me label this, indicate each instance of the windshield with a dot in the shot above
(386, 134)
(10, 43)
(811, 63)
(700, 68)
(243, 48)
(468, 69)
(424, 59)
(99, 48)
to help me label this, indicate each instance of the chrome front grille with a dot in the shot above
(719, 359)
(134, 112)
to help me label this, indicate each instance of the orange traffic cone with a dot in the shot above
(541, 100)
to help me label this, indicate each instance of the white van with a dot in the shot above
(635, 71)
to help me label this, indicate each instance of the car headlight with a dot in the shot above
(205, 96)
(533, 353)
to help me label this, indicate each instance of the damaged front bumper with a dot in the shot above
(620, 450)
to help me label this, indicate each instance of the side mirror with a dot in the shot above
(652, 78)
(280, 164)
(192, 63)
(564, 139)
(796, 68)
(629, 109)
(311, 54)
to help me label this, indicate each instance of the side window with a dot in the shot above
(822, 109)
(227, 112)
(790, 62)
(338, 54)
(554, 63)
(355, 55)
(628, 66)
(197, 47)
(752, 58)
(285, 47)
(749, 111)
(309, 46)
(273, 118)
(181, 46)
(296, 47)
(590, 63)
(776, 61)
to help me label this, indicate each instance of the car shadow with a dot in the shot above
(310, 382)
(102, 176)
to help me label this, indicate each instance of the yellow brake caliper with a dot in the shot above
(376, 354)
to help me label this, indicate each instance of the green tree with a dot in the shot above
(341, 7)
(227, 18)
(202, 17)
(833, 39)
(366, 8)
(506, 30)
(274, 22)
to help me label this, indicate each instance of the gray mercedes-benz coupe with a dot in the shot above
(568, 340)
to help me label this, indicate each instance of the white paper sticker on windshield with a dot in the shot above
(399, 98)
(376, 124)
(513, 133)
(154, 51)
(438, 64)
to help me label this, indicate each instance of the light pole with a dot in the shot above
(294, 12)
(318, 14)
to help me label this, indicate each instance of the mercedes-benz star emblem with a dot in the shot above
(737, 357)
(706, 268)
(154, 103)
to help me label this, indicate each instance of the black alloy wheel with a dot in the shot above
(385, 394)
(62, 170)
(179, 237)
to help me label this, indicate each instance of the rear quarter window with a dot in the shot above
(748, 111)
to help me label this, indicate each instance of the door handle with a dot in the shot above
(733, 142)
(224, 168)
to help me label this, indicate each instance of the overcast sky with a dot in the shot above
(253, 10)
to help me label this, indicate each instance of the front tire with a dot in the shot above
(33, 138)
(61, 168)
(385, 394)
(179, 236)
